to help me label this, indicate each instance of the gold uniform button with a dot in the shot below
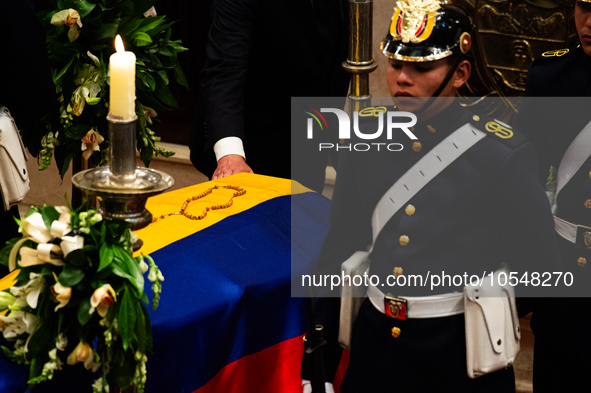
(412, 128)
(581, 262)
(590, 174)
(476, 118)
(431, 129)
(588, 204)
(403, 240)
(417, 146)
(397, 271)
(410, 210)
(395, 332)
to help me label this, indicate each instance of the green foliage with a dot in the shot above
(80, 73)
(103, 311)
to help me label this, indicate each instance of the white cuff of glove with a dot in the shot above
(307, 386)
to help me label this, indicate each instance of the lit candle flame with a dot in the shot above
(119, 44)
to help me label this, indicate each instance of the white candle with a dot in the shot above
(122, 65)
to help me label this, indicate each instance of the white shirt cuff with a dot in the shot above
(228, 145)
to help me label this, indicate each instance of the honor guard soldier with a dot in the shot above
(459, 199)
(557, 127)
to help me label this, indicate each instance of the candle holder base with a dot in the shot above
(125, 201)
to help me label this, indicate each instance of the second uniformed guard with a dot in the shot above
(459, 199)
(557, 126)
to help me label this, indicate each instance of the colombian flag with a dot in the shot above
(227, 321)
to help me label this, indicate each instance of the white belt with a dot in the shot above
(422, 306)
(577, 234)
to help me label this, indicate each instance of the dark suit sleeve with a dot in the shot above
(224, 75)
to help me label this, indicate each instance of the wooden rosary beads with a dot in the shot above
(239, 192)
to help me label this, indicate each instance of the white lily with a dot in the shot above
(30, 291)
(17, 323)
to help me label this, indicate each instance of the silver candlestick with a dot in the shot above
(121, 188)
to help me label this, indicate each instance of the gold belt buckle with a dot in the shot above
(396, 307)
(583, 239)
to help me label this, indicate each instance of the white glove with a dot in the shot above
(307, 386)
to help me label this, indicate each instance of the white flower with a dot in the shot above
(65, 214)
(143, 265)
(149, 113)
(61, 293)
(69, 17)
(91, 142)
(61, 342)
(102, 299)
(17, 323)
(81, 353)
(150, 12)
(31, 290)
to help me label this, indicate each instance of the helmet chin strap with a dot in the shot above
(432, 99)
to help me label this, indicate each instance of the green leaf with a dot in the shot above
(179, 74)
(126, 267)
(150, 82)
(93, 101)
(49, 214)
(148, 328)
(176, 45)
(106, 256)
(84, 314)
(140, 328)
(40, 341)
(77, 258)
(146, 154)
(84, 8)
(129, 27)
(126, 319)
(142, 39)
(168, 35)
(71, 275)
(58, 77)
(148, 24)
(60, 52)
(108, 30)
(68, 156)
(77, 131)
(65, 4)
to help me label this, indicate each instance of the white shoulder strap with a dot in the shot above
(576, 154)
(421, 173)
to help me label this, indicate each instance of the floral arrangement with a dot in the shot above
(78, 297)
(81, 36)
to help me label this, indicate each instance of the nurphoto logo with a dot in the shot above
(395, 120)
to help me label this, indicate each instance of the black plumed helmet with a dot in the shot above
(427, 30)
